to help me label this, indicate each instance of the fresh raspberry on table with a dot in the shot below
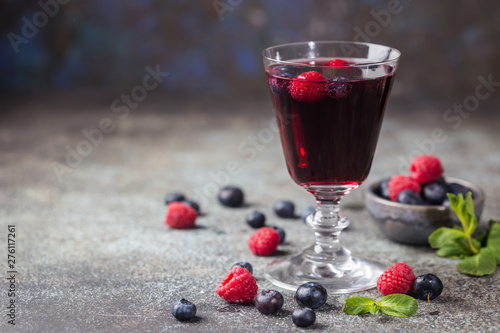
(180, 215)
(399, 183)
(337, 62)
(397, 279)
(238, 286)
(303, 88)
(426, 168)
(264, 241)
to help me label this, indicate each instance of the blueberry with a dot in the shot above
(256, 219)
(311, 295)
(174, 196)
(277, 82)
(338, 89)
(245, 265)
(286, 71)
(284, 208)
(278, 86)
(306, 212)
(441, 181)
(192, 204)
(410, 197)
(281, 232)
(459, 189)
(183, 310)
(384, 189)
(427, 286)
(268, 301)
(434, 193)
(231, 196)
(303, 317)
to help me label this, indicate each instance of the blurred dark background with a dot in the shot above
(212, 47)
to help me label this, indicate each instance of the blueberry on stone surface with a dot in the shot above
(231, 196)
(192, 204)
(306, 212)
(427, 286)
(245, 265)
(174, 196)
(256, 219)
(409, 197)
(311, 295)
(434, 193)
(284, 208)
(268, 301)
(281, 233)
(183, 310)
(303, 317)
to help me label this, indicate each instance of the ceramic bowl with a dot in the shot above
(412, 224)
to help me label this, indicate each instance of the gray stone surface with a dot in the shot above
(93, 254)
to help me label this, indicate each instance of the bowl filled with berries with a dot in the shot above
(408, 208)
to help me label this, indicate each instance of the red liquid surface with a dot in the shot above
(332, 141)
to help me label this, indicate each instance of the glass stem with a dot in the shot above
(327, 223)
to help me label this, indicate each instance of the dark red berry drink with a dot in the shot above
(329, 99)
(329, 127)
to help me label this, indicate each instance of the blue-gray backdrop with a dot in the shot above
(213, 46)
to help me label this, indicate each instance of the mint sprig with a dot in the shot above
(396, 305)
(456, 243)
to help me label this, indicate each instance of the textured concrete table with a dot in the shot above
(92, 252)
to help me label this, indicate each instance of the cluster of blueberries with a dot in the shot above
(309, 296)
(431, 194)
(232, 196)
(179, 197)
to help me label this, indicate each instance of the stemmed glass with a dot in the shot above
(329, 99)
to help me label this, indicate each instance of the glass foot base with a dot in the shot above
(358, 275)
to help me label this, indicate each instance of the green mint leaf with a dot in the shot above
(454, 202)
(443, 235)
(398, 305)
(455, 249)
(464, 208)
(469, 204)
(374, 310)
(482, 237)
(493, 240)
(357, 305)
(483, 263)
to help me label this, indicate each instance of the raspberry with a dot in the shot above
(264, 241)
(180, 216)
(426, 168)
(399, 183)
(304, 89)
(238, 286)
(337, 62)
(397, 279)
